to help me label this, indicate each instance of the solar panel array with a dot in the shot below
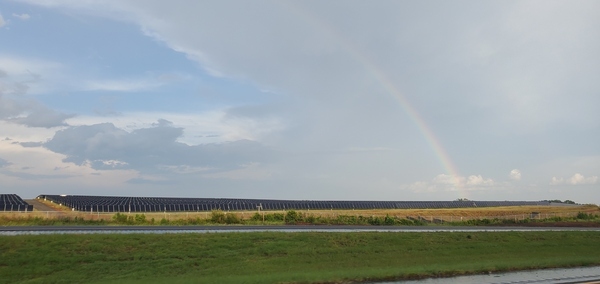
(13, 202)
(163, 204)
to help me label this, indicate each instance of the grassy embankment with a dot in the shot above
(517, 215)
(285, 257)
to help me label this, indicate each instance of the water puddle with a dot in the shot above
(544, 276)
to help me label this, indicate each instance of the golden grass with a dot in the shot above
(463, 212)
(517, 212)
(455, 214)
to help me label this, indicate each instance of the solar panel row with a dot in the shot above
(160, 204)
(13, 202)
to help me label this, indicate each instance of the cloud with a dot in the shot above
(25, 76)
(23, 16)
(576, 179)
(557, 181)
(446, 182)
(2, 22)
(29, 176)
(336, 55)
(10, 107)
(4, 163)
(580, 179)
(16, 81)
(35, 170)
(30, 113)
(515, 175)
(31, 144)
(42, 117)
(206, 127)
(365, 76)
(153, 149)
(478, 180)
(108, 164)
(22, 135)
(26, 69)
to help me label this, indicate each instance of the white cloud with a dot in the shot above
(445, 182)
(38, 164)
(580, 179)
(2, 22)
(22, 133)
(447, 179)
(556, 181)
(576, 179)
(23, 16)
(478, 180)
(515, 174)
(113, 163)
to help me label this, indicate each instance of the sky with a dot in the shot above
(308, 100)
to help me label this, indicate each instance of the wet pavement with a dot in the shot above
(544, 276)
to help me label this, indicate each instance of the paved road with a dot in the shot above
(291, 228)
(39, 206)
(575, 275)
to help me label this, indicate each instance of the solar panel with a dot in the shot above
(159, 204)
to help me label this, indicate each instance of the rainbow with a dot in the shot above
(432, 140)
(382, 78)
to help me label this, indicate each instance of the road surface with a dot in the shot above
(289, 228)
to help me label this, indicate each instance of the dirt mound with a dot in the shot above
(39, 206)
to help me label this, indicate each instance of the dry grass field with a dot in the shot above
(464, 212)
(455, 214)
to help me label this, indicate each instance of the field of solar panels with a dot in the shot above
(156, 204)
(13, 202)
(75, 209)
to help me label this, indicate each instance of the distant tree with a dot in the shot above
(559, 201)
(462, 199)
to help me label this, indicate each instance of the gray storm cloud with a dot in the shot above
(105, 146)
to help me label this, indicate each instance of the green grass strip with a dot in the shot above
(273, 257)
